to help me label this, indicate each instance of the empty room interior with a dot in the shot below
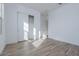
(39, 29)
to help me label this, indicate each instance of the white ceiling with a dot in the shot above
(43, 7)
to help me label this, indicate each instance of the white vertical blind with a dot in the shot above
(0, 18)
(0, 9)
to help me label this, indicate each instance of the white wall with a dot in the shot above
(27, 11)
(11, 20)
(44, 24)
(64, 24)
(10, 14)
(2, 35)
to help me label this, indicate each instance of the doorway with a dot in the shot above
(31, 27)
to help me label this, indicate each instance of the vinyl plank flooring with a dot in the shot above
(49, 47)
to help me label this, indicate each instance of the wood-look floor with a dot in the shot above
(49, 47)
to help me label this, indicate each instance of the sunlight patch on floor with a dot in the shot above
(38, 42)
